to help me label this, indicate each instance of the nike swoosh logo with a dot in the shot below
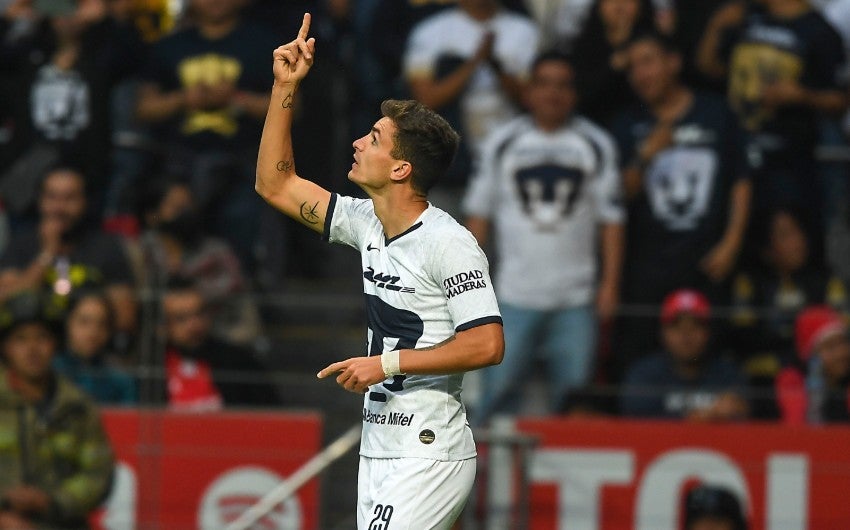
(370, 247)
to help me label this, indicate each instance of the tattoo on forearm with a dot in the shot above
(284, 165)
(287, 101)
(308, 213)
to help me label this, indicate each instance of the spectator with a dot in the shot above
(62, 76)
(783, 66)
(469, 63)
(713, 508)
(549, 182)
(820, 391)
(202, 372)
(66, 252)
(86, 360)
(686, 187)
(767, 299)
(600, 54)
(175, 243)
(685, 380)
(205, 90)
(57, 463)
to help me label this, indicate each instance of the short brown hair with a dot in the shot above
(423, 138)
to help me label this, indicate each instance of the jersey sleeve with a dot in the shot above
(461, 269)
(347, 220)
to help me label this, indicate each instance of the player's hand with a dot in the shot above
(356, 374)
(292, 61)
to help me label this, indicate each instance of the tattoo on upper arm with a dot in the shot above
(284, 165)
(287, 101)
(308, 213)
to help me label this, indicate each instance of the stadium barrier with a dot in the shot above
(179, 471)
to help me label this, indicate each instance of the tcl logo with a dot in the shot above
(580, 475)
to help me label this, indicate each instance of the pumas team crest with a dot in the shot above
(237, 490)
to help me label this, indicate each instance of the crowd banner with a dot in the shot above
(589, 474)
(202, 470)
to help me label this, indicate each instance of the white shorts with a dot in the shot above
(412, 493)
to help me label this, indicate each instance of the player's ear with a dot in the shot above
(401, 170)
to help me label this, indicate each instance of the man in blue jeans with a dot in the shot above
(549, 183)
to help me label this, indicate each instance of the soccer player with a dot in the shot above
(431, 308)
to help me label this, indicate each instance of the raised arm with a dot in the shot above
(277, 181)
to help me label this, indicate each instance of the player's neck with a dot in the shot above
(397, 214)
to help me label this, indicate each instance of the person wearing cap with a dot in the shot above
(57, 463)
(713, 508)
(684, 380)
(819, 392)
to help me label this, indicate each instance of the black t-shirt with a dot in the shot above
(603, 91)
(682, 212)
(97, 259)
(187, 58)
(766, 49)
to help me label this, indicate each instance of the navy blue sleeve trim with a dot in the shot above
(326, 232)
(479, 322)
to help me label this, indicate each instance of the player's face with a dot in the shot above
(686, 338)
(551, 93)
(29, 351)
(652, 70)
(373, 161)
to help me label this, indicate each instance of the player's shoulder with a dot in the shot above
(352, 204)
(443, 232)
(599, 138)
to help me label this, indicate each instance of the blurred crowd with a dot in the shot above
(661, 186)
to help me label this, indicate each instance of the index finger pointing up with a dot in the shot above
(305, 27)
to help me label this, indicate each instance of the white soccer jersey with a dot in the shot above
(440, 43)
(421, 288)
(546, 193)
